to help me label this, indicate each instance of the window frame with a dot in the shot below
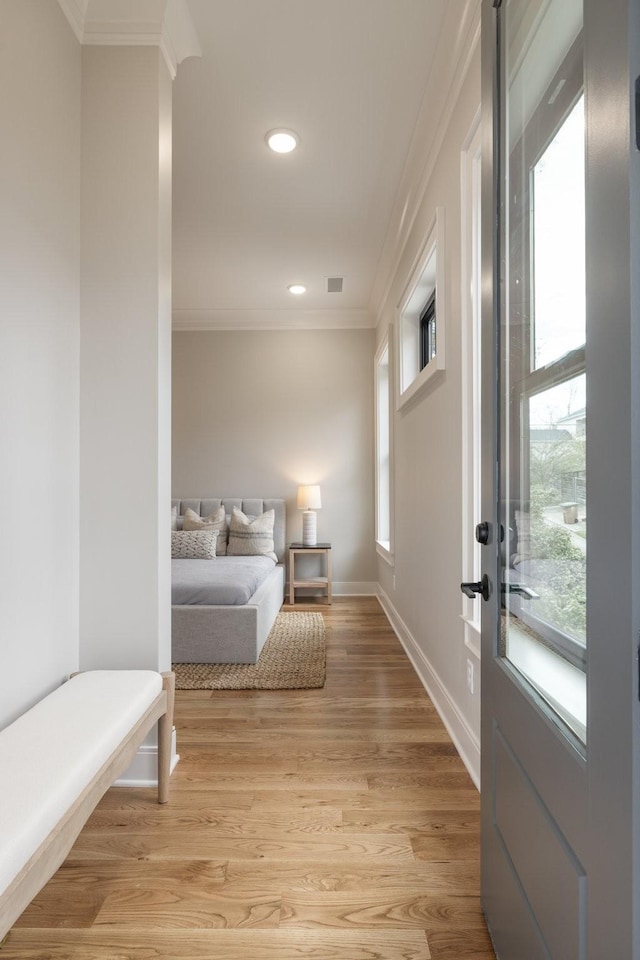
(526, 380)
(426, 278)
(428, 334)
(471, 356)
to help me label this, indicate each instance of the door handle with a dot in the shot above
(483, 532)
(481, 586)
(520, 588)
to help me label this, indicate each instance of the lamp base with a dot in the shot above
(309, 535)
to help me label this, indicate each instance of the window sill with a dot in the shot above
(427, 377)
(383, 549)
(561, 684)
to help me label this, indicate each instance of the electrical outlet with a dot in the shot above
(470, 676)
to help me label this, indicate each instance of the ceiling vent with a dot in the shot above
(334, 284)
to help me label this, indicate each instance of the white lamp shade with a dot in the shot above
(309, 497)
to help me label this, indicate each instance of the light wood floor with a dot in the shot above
(334, 824)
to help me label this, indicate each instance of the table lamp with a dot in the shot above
(309, 501)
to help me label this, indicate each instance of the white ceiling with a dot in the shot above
(352, 77)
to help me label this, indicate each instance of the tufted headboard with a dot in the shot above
(250, 507)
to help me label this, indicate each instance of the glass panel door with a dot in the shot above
(560, 528)
(543, 402)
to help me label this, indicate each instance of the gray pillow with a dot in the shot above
(193, 544)
(251, 536)
(215, 521)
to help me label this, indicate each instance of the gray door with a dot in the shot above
(561, 563)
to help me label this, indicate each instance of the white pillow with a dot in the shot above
(193, 544)
(251, 536)
(215, 521)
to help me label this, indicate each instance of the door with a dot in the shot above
(561, 350)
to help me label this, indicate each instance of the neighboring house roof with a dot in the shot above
(550, 435)
(574, 417)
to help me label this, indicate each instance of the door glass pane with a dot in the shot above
(543, 374)
(554, 559)
(558, 242)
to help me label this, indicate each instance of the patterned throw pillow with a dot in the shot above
(215, 521)
(251, 536)
(193, 544)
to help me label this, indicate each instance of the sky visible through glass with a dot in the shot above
(559, 264)
(559, 260)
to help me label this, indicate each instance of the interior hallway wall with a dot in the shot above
(422, 589)
(39, 347)
(125, 590)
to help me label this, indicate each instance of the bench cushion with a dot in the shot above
(49, 755)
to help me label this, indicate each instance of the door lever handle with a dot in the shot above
(520, 588)
(482, 587)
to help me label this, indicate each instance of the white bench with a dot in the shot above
(58, 760)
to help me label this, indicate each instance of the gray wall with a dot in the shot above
(39, 348)
(257, 413)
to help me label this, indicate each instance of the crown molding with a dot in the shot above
(460, 34)
(191, 320)
(75, 11)
(179, 36)
(165, 24)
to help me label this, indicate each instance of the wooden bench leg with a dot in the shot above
(165, 733)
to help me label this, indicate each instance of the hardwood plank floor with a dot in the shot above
(334, 824)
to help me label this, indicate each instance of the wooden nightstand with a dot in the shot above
(324, 582)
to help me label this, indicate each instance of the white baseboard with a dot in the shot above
(341, 588)
(464, 738)
(143, 769)
(346, 588)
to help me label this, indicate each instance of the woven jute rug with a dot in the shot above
(293, 658)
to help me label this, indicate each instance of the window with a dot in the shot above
(383, 450)
(545, 432)
(421, 319)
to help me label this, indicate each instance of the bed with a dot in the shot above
(223, 609)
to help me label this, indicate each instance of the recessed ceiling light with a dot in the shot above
(297, 288)
(282, 141)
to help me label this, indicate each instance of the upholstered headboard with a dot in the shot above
(250, 507)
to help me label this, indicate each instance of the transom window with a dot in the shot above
(422, 318)
(428, 332)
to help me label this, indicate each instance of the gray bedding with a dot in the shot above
(223, 581)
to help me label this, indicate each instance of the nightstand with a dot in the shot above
(295, 549)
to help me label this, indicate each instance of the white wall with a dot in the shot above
(257, 413)
(39, 337)
(425, 604)
(85, 354)
(125, 359)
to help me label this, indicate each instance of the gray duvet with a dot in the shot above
(225, 580)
